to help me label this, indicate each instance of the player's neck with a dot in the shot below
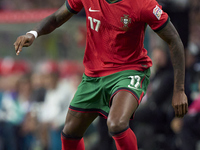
(113, 1)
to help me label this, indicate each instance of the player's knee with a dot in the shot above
(116, 125)
(66, 128)
(70, 129)
(76, 123)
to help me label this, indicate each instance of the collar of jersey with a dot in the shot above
(111, 2)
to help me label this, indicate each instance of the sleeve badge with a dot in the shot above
(157, 12)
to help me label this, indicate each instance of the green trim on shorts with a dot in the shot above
(94, 94)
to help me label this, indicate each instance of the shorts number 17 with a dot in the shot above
(135, 82)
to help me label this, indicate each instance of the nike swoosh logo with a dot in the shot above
(91, 10)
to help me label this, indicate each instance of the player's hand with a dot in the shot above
(23, 41)
(180, 103)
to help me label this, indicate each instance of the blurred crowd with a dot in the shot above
(29, 4)
(154, 122)
(34, 102)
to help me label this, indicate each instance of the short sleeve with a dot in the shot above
(74, 6)
(154, 16)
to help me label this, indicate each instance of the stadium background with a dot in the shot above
(25, 122)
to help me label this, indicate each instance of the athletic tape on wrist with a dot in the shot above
(34, 33)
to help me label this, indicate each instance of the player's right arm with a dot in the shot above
(46, 26)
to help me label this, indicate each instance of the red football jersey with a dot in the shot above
(115, 33)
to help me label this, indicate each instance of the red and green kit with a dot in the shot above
(115, 35)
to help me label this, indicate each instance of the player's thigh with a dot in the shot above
(124, 104)
(77, 122)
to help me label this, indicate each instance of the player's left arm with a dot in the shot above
(171, 36)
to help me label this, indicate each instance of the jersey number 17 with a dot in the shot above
(94, 21)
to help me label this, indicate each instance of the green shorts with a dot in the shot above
(94, 94)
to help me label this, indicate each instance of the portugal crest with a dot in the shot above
(126, 20)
